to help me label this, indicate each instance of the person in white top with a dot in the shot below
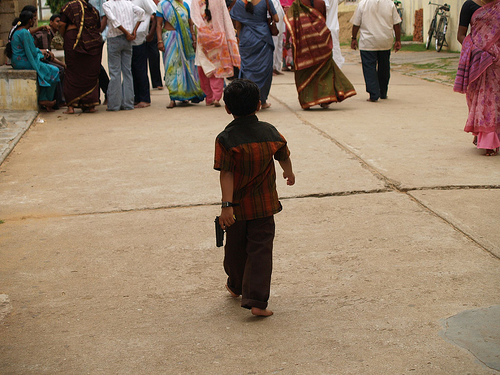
(142, 97)
(123, 20)
(278, 39)
(332, 21)
(378, 21)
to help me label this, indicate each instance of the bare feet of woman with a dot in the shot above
(171, 104)
(259, 312)
(216, 103)
(474, 141)
(69, 111)
(490, 152)
(48, 104)
(266, 105)
(142, 105)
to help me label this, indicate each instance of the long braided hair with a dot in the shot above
(23, 19)
(207, 12)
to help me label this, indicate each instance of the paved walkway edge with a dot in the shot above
(14, 125)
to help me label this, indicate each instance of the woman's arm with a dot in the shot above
(104, 23)
(461, 33)
(62, 28)
(159, 26)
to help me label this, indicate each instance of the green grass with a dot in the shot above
(1, 221)
(413, 47)
(406, 38)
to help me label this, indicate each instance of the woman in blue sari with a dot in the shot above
(175, 39)
(24, 55)
(256, 43)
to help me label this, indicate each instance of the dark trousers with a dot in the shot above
(248, 260)
(377, 71)
(140, 73)
(154, 62)
(103, 81)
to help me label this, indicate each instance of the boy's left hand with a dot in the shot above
(289, 177)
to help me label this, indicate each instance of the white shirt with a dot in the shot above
(376, 20)
(149, 8)
(121, 13)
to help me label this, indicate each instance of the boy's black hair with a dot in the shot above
(242, 97)
(54, 16)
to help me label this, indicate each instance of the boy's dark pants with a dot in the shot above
(248, 260)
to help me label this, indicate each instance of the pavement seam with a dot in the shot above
(395, 186)
(460, 230)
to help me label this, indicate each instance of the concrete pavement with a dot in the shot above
(387, 247)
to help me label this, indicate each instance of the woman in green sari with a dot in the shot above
(176, 40)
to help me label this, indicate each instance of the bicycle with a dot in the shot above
(440, 29)
(399, 8)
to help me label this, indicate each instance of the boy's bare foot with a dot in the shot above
(266, 105)
(69, 111)
(259, 312)
(233, 294)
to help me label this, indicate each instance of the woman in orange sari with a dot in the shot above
(217, 48)
(318, 79)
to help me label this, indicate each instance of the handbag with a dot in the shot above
(273, 28)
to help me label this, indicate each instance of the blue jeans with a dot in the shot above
(120, 95)
(377, 71)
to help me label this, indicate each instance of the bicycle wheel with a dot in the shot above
(431, 33)
(440, 34)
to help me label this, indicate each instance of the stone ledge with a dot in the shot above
(7, 71)
(18, 89)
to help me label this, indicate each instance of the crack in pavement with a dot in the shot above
(395, 186)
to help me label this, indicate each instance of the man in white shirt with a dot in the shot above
(142, 98)
(377, 21)
(123, 20)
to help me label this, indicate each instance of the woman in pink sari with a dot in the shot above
(217, 48)
(478, 76)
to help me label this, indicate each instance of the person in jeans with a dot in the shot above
(121, 17)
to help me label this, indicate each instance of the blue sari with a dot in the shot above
(26, 56)
(181, 76)
(256, 45)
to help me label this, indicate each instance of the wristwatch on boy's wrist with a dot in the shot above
(228, 204)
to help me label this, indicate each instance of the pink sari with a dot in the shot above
(217, 38)
(478, 76)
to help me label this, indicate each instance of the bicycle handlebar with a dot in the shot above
(445, 7)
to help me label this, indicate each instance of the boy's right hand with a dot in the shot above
(226, 218)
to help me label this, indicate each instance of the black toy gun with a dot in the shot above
(219, 233)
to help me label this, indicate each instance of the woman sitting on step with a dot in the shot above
(24, 55)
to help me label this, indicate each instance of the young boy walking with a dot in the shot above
(244, 154)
